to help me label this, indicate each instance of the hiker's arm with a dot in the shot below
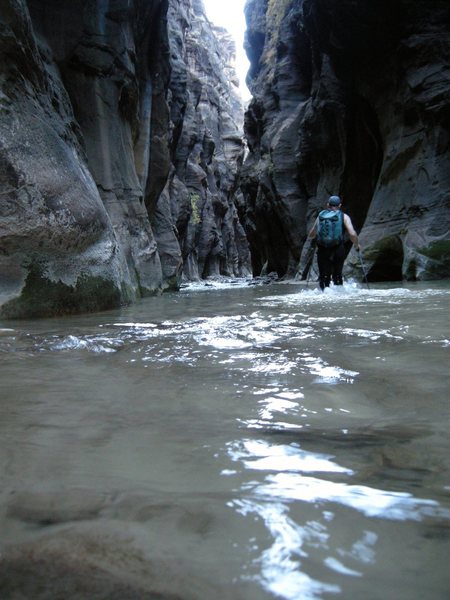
(350, 230)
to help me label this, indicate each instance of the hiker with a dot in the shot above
(329, 229)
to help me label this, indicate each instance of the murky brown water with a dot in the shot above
(229, 442)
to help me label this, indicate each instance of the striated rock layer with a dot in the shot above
(119, 146)
(350, 98)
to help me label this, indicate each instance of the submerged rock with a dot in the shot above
(349, 98)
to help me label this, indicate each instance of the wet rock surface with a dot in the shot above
(349, 98)
(120, 141)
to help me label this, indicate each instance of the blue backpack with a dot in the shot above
(330, 228)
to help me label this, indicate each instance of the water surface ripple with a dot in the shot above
(232, 441)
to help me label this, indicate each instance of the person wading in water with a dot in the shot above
(329, 230)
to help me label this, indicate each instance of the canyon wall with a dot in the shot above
(201, 196)
(350, 98)
(120, 145)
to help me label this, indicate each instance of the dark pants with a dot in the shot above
(331, 263)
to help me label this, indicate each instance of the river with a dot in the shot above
(229, 442)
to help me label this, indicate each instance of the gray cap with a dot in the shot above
(334, 201)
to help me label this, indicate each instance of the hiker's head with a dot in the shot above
(334, 201)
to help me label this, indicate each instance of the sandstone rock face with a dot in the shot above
(200, 203)
(75, 234)
(119, 150)
(350, 98)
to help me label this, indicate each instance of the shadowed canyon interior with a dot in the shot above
(128, 166)
(181, 417)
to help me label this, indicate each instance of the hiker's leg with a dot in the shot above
(325, 266)
(324, 282)
(321, 258)
(338, 264)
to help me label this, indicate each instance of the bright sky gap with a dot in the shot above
(230, 15)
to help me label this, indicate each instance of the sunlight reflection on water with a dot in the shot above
(281, 563)
(262, 456)
(285, 483)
